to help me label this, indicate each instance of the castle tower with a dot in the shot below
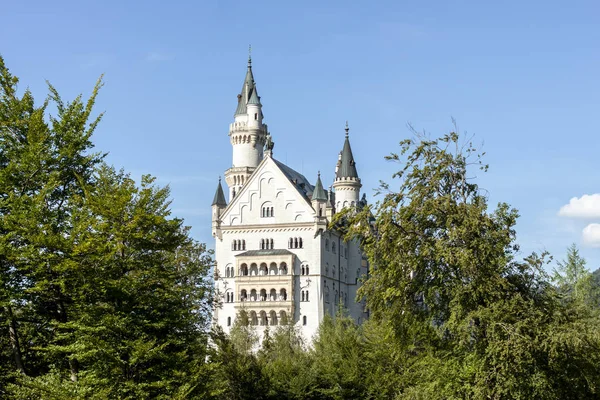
(218, 205)
(247, 134)
(347, 183)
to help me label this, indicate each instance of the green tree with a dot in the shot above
(574, 279)
(474, 320)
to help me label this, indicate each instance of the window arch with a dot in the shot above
(267, 210)
(333, 247)
(243, 295)
(244, 270)
(282, 294)
(263, 318)
(273, 269)
(273, 317)
(263, 295)
(283, 269)
(273, 295)
(283, 318)
(263, 269)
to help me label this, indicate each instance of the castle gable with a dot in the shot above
(274, 194)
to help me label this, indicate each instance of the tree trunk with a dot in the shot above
(14, 340)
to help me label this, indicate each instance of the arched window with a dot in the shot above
(291, 243)
(306, 296)
(333, 247)
(302, 270)
(244, 270)
(273, 317)
(283, 269)
(271, 243)
(326, 268)
(243, 295)
(253, 318)
(300, 242)
(253, 296)
(228, 321)
(283, 318)
(273, 269)
(295, 243)
(234, 245)
(263, 295)
(263, 318)
(262, 244)
(326, 294)
(273, 295)
(267, 210)
(302, 295)
(283, 295)
(304, 320)
(253, 269)
(307, 273)
(243, 245)
(263, 269)
(327, 244)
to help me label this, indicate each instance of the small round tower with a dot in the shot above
(347, 183)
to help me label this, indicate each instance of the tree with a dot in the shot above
(100, 285)
(472, 320)
(574, 279)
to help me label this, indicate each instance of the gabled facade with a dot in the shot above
(276, 257)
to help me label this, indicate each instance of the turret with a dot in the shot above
(218, 205)
(247, 134)
(319, 199)
(347, 183)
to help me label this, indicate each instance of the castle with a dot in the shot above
(276, 257)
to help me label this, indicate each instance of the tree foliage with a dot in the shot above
(103, 294)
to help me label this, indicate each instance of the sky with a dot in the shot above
(521, 76)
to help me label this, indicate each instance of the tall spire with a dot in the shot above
(247, 88)
(219, 199)
(346, 165)
(319, 193)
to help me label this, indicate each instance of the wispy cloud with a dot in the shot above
(155, 56)
(586, 206)
(94, 60)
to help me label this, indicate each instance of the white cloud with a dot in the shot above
(591, 235)
(586, 206)
(155, 56)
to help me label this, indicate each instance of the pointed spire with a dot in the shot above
(346, 165)
(219, 199)
(247, 88)
(254, 98)
(319, 193)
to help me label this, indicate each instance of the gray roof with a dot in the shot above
(274, 252)
(219, 199)
(346, 165)
(319, 193)
(247, 88)
(300, 181)
(254, 99)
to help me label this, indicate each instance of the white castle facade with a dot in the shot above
(276, 257)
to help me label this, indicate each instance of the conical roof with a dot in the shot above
(247, 89)
(346, 164)
(319, 193)
(219, 199)
(254, 99)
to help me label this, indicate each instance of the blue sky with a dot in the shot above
(521, 76)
